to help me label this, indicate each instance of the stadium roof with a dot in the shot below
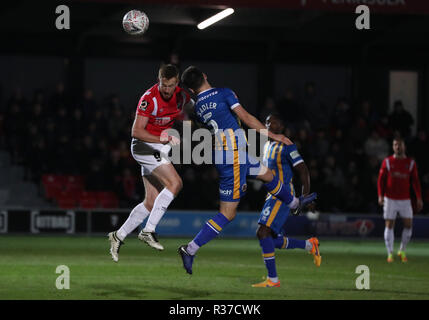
(273, 33)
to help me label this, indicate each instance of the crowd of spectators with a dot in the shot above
(343, 146)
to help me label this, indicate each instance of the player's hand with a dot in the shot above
(419, 205)
(380, 201)
(165, 138)
(280, 138)
(173, 140)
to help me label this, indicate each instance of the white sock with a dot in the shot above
(308, 245)
(406, 236)
(192, 248)
(389, 238)
(136, 217)
(160, 205)
(294, 204)
(276, 279)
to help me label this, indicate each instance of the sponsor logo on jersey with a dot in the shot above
(143, 105)
(294, 154)
(161, 121)
(225, 192)
(207, 96)
(400, 175)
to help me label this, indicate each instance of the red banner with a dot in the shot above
(378, 6)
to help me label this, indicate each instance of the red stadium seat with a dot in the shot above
(53, 185)
(88, 200)
(74, 183)
(107, 199)
(74, 180)
(66, 202)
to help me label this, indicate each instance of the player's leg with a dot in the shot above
(143, 209)
(407, 218)
(170, 179)
(232, 187)
(283, 242)
(311, 245)
(232, 179)
(389, 215)
(406, 236)
(273, 215)
(136, 217)
(152, 188)
(389, 238)
(266, 242)
(276, 188)
(208, 232)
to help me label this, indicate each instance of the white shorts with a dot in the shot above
(149, 155)
(391, 208)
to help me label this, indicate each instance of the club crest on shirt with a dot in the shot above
(143, 105)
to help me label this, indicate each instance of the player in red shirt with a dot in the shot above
(397, 173)
(156, 111)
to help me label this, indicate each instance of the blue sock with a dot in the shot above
(279, 190)
(280, 242)
(295, 243)
(267, 245)
(211, 229)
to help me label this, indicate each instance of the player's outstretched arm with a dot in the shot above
(302, 171)
(139, 131)
(253, 123)
(304, 176)
(381, 182)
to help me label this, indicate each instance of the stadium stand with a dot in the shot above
(80, 152)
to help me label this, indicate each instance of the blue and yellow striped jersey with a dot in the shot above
(281, 158)
(214, 108)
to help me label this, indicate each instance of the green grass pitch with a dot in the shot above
(223, 269)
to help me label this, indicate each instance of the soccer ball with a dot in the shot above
(135, 22)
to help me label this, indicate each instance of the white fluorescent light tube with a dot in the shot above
(219, 16)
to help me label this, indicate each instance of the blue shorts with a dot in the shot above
(233, 173)
(274, 214)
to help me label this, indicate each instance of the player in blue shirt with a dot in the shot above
(283, 159)
(220, 110)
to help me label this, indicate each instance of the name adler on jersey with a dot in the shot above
(205, 107)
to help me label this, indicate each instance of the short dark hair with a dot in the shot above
(168, 71)
(398, 138)
(193, 78)
(275, 115)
